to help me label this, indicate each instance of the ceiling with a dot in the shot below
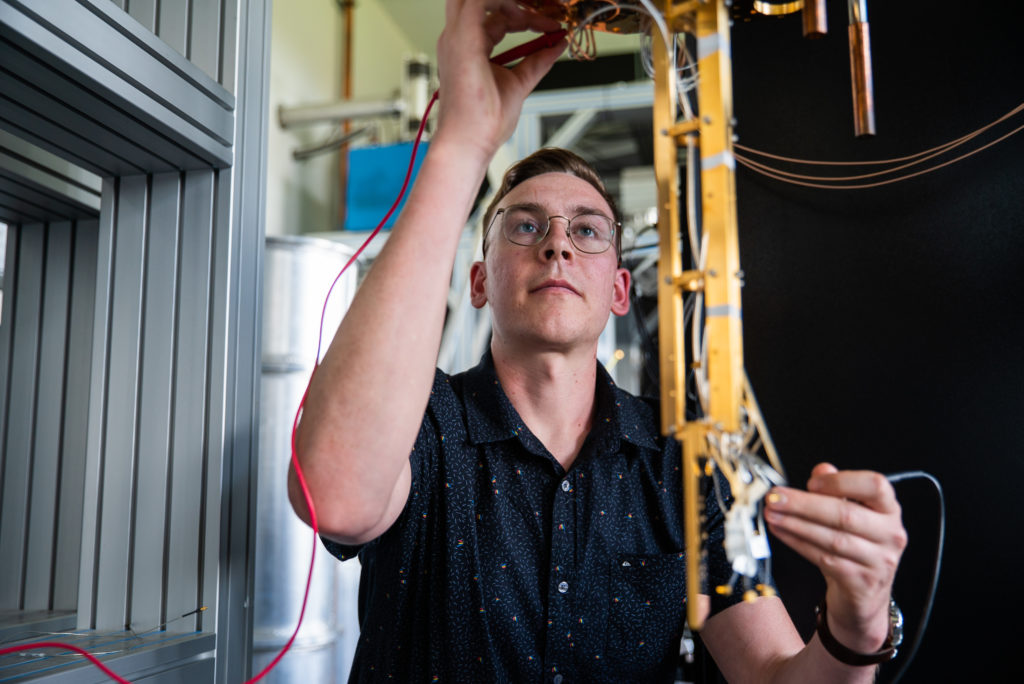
(420, 20)
(423, 20)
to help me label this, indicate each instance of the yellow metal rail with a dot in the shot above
(719, 278)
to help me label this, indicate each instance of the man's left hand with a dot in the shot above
(849, 524)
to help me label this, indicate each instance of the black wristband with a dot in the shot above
(850, 657)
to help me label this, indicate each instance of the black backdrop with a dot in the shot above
(883, 327)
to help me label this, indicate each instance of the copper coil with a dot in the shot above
(573, 13)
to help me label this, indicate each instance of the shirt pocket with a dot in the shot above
(647, 604)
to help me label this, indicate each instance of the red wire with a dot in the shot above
(544, 41)
(298, 413)
(56, 644)
(295, 462)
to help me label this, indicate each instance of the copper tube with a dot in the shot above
(346, 94)
(815, 19)
(860, 77)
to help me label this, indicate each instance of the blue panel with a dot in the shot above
(375, 178)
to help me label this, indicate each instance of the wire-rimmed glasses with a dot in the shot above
(527, 226)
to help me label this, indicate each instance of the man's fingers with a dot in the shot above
(533, 67)
(523, 19)
(846, 530)
(835, 513)
(864, 486)
(829, 529)
(497, 26)
(511, 18)
(835, 560)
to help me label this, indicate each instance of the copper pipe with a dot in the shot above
(860, 77)
(347, 6)
(815, 19)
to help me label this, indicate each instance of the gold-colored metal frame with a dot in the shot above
(720, 280)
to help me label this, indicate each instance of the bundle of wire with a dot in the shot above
(872, 179)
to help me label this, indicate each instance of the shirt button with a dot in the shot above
(557, 679)
(563, 587)
(565, 485)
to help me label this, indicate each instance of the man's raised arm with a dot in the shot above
(367, 398)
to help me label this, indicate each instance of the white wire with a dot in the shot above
(699, 351)
(684, 84)
(670, 47)
(691, 199)
(646, 40)
(662, 26)
(646, 43)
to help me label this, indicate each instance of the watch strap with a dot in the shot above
(849, 656)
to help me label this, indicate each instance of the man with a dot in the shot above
(533, 534)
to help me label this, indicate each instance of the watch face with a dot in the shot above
(896, 623)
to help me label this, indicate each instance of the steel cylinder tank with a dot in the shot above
(298, 272)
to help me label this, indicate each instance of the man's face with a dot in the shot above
(550, 296)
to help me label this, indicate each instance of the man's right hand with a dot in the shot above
(480, 101)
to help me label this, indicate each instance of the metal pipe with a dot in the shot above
(815, 19)
(297, 273)
(858, 10)
(346, 93)
(860, 69)
(417, 92)
(332, 143)
(337, 111)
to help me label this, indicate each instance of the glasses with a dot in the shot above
(527, 226)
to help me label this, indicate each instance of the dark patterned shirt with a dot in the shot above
(503, 567)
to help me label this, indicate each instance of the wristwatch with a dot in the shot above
(850, 657)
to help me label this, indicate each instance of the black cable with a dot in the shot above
(648, 349)
(940, 541)
(689, 306)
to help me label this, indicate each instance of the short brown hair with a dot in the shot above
(552, 160)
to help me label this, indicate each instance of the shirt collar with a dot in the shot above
(490, 416)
